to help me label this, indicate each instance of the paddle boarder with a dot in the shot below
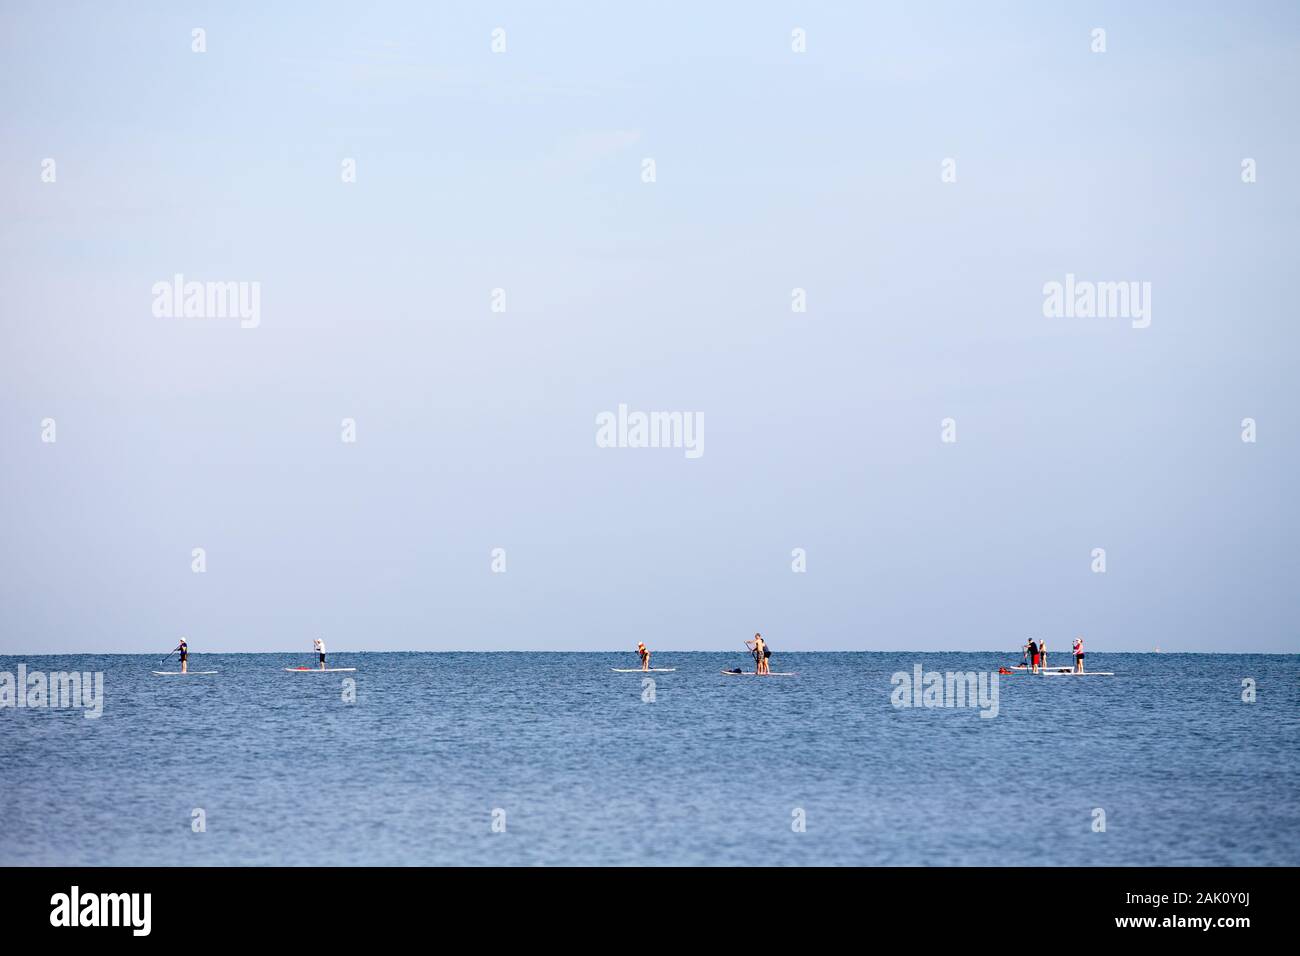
(185, 655)
(1078, 654)
(762, 654)
(644, 653)
(319, 646)
(1033, 656)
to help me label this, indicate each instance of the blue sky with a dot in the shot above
(523, 171)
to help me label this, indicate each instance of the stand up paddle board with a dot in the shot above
(753, 674)
(182, 673)
(637, 670)
(318, 670)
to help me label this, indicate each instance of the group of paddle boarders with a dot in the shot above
(758, 650)
(1034, 657)
(762, 654)
(317, 645)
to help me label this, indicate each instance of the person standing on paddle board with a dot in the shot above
(1042, 653)
(1078, 654)
(644, 653)
(1033, 656)
(185, 655)
(758, 647)
(319, 646)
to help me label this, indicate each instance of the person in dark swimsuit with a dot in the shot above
(1033, 656)
(185, 655)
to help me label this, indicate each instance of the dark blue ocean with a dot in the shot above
(713, 770)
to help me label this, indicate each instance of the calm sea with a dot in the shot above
(578, 765)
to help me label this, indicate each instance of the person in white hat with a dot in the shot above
(644, 654)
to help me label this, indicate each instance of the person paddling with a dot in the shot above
(644, 653)
(1078, 654)
(319, 646)
(185, 655)
(1033, 656)
(762, 654)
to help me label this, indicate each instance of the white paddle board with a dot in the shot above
(638, 670)
(753, 674)
(318, 670)
(182, 673)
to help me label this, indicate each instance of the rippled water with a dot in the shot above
(713, 771)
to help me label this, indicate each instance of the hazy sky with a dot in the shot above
(523, 171)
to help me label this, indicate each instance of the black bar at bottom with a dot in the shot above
(333, 905)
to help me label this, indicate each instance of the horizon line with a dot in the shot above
(614, 651)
